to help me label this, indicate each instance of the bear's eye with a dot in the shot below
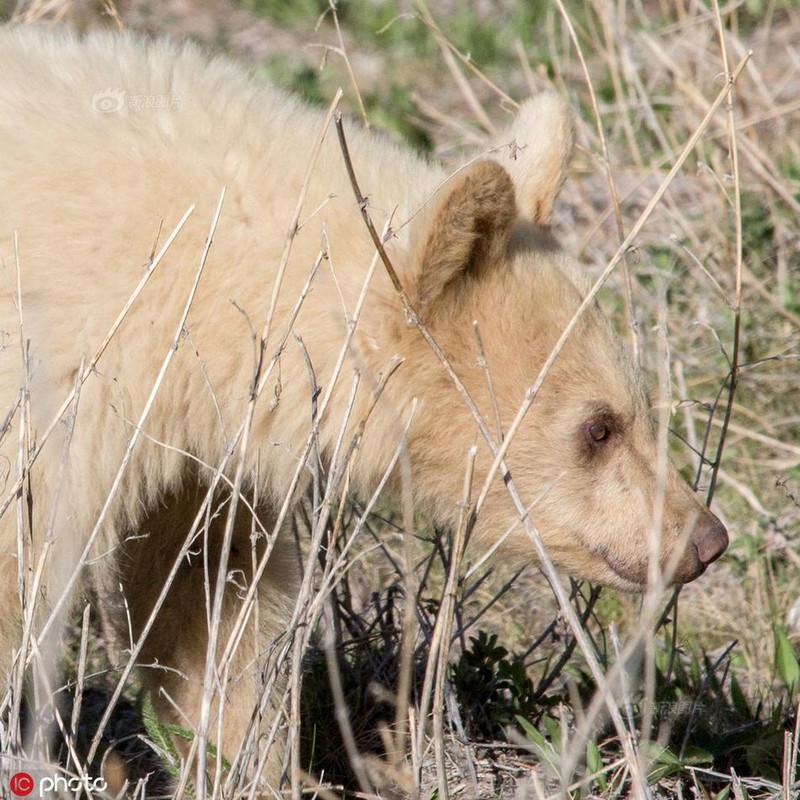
(600, 431)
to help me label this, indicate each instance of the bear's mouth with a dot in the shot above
(630, 579)
(635, 578)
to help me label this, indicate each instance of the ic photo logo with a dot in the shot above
(22, 784)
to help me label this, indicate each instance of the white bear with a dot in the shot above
(105, 143)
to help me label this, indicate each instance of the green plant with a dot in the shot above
(492, 687)
(160, 740)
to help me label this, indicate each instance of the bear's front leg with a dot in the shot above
(246, 690)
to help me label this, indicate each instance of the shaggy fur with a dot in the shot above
(104, 144)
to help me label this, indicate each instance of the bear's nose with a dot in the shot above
(710, 538)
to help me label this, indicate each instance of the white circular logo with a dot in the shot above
(109, 101)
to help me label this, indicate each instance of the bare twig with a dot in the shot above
(733, 379)
(134, 438)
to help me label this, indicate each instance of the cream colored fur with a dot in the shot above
(91, 195)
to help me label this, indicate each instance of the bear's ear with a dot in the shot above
(536, 149)
(467, 232)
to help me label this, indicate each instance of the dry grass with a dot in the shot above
(688, 216)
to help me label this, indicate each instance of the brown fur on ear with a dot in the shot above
(467, 232)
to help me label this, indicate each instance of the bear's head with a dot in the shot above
(587, 458)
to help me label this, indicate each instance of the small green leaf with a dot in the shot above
(664, 763)
(594, 764)
(541, 746)
(553, 728)
(160, 741)
(531, 733)
(785, 660)
(696, 756)
(159, 733)
(738, 698)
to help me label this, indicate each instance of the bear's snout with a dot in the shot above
(709, 540)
